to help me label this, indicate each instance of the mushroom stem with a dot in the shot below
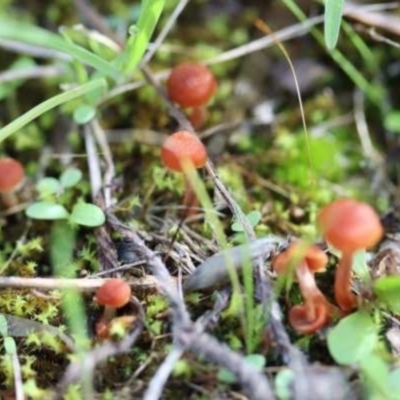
(102, 325)
(8, 199)
(198, 116)
(190, 200)
(108, 314)
(316, 310)
(344, 297)
(308, 286)
(309, 317)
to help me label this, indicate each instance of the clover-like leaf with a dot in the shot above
(48, 187)
(353, 338)
(46, 210)
(86, 214)
(70, 177)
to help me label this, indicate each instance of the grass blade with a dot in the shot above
(137, 43)
(49, 104)
(373, 93)
(332, 21)
(26, 33)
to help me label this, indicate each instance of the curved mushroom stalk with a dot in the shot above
(316, 310)
(309, 317)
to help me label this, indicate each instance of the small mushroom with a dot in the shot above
(349, 226)
(12, 177)
(180, 151)
(113, 294)
(191, 85)
(306, 261)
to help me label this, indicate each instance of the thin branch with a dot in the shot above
(147, 282)
(109, 173)
(362, 129)
(164, 32)
(47, 71)
(18, 384)
(96, 182)
(160, 378)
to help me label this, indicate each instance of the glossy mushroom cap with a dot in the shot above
(297, 253)
(349, 225)
(191, 84)
(114, 293)
(11, 174)
(183, 148)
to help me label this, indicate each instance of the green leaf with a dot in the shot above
(360, 267)
(392, 121)
(141, 33)
(253, 217)
(47, 187)
(387, 289)
(256, 360)
(283, 383)
(375, 374)
(3, 325)
(46, 210)
(87, 215)
(24, 119)
(26, 33)
(226, 376)
(70, 177)
(394, 380)
(353, 338)
(332, 20)
(84, 114)
(9, 345)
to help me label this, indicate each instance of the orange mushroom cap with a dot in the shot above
(114, 293)
(299, 252)
(350, 225)
(11, 174)
(183, 147)
(191, 84)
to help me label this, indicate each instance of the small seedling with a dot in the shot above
(51, 206)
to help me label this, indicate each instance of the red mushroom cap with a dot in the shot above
(191, 84)
(183, 147)
(350, 225)
(299, 252)
(11, 174)
(114, 293)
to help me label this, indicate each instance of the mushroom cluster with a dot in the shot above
(347, 225)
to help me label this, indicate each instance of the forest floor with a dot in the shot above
(291, 127)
